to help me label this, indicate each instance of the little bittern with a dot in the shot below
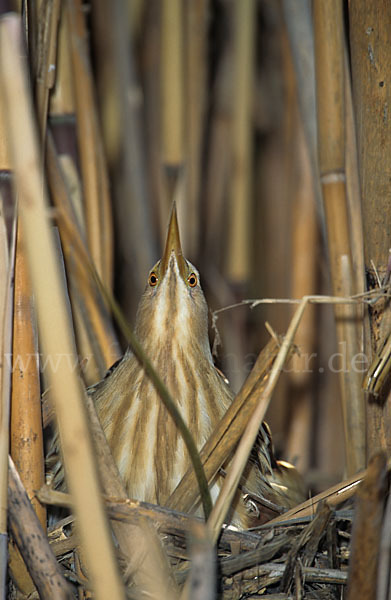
(172, 326)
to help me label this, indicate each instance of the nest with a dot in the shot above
(301, 558)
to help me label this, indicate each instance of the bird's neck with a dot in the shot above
(164, 329)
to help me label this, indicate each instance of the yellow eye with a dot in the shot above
(192, 280)
(153, 279)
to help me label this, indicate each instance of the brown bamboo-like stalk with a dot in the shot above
(370, 24)
(195, 27)
(46, 59)
(93, 167)
(6, 278)
(26, 420)
(26, 436)
(53, 319)
(238, 256)
(329, 55)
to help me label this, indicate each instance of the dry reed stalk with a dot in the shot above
(101, 334)
(298, 21)
(88, 364)
(18, 567)
(300, 268)
(172, 84)
(26, 419)
(30, 24)
(371, 65)
(303, 281)
(91, 370)
(146, 562)
(383, 573)
(136, 10)
(53, 319)
(4, 157)
(47, 26)
(33, 544)
(202, 581)
(6, 278)
(92, 161)
(172, 88)
(165, 519)
(195, 27)
(219, 157)
(73, 185)
(110, 78)
(227, 433)
(366, 532)
(238, 259)
(329, 55)
(369, 28)
(121, 108)
(246, 443)
(240, 458)
(273, 204)
(139, 545)
(151, 76)
(333, 496)
(353, 190)
(62, 97)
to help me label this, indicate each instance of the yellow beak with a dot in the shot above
(173, 244)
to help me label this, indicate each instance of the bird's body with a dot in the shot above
(172, 326)
(145, 442)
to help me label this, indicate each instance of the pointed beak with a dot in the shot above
(173, 244)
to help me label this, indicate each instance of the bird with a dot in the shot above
(172, 327)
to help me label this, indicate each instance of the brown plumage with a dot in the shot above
(172, 326)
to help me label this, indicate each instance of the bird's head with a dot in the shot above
(173, 305)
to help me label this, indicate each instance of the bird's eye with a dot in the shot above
(192, 280)
(152, 279)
